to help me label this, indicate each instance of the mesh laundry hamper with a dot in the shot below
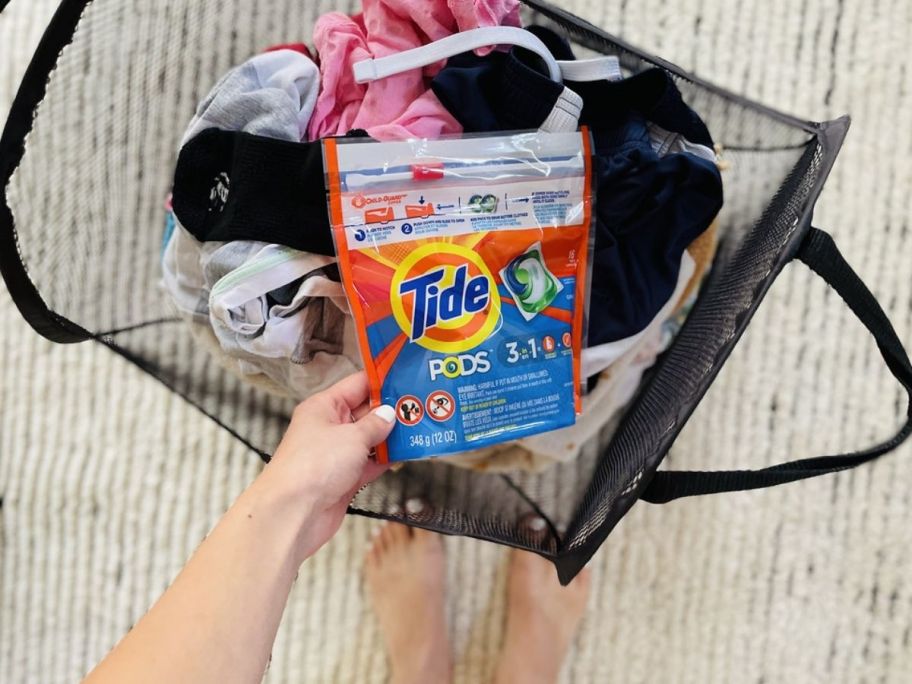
(86, 159)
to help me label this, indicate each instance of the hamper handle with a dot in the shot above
(819, 252)
(382, 67)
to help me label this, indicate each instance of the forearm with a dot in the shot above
(217, 622)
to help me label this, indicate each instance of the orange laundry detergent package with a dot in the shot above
(465, 263)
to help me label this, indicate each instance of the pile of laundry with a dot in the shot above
(248, 253)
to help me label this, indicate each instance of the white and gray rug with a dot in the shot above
(108, 481)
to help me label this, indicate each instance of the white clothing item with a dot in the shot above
(272, 94)
(182, 273)
(598, 358)
(242, 315)
(278, 376)
(184, 266)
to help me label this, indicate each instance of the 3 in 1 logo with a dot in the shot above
(444, 298)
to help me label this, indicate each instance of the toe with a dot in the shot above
(383, 539)
(375, 545)
(398, 535)
(390, 534)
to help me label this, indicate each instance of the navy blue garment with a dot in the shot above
(651, 93)
(511, 91)
(504, 91)
(648, 209)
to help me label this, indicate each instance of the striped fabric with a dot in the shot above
(108, 481)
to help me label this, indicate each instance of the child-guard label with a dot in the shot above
(464, 262)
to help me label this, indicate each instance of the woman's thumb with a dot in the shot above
(376, 425)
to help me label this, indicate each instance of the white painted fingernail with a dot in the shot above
(388, 413)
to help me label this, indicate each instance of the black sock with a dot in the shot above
(230, 185)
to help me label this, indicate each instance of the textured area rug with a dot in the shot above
(108, 481)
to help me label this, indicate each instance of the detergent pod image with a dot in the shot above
(465, 262)
(530, 282)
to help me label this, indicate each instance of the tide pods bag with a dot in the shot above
(465, 263)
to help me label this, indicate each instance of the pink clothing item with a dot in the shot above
(403, 105)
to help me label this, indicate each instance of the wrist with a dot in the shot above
(287, 500)
(293, 472)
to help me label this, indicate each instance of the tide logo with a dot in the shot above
(444, 298)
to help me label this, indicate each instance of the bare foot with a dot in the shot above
(542, 619)
(405, 580)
